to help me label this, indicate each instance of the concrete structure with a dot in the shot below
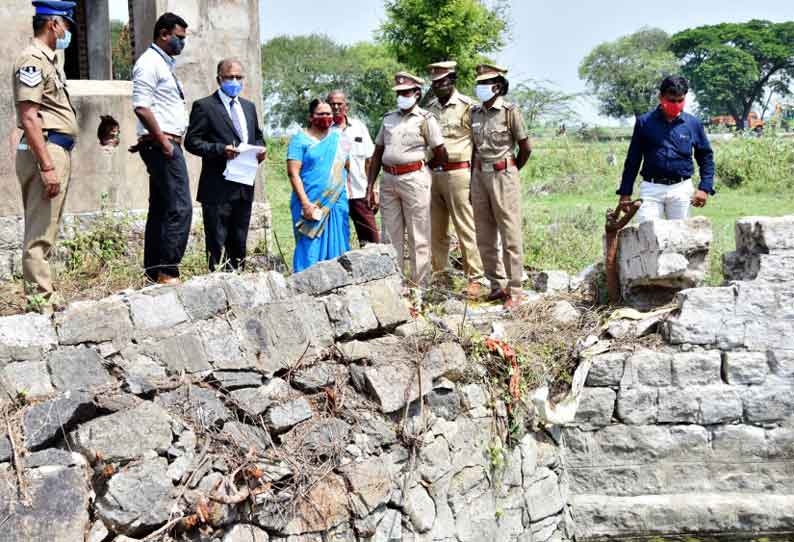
(217, 29)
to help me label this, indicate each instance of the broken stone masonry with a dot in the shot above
(250, 408)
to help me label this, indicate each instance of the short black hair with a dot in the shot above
(40, 22)
(106, 125)
(675, 84)
(167, 21)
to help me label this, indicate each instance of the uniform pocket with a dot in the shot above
(501, 137)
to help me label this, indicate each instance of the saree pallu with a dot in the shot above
(325, 181)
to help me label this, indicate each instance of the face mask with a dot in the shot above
(176, 45)
(485, 93)
(231, 87)
(672, 109)
(443, 92)
(339, 119)
(63, 43)
(323, 123)
(406, 102)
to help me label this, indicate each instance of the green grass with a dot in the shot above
(569, 185)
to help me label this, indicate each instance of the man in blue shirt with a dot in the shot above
(663, 142)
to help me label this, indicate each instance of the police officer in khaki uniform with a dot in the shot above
(497, 129)
(49, 124)
(449, 195)
(404, 141)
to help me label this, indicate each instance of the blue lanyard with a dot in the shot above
(170, 68)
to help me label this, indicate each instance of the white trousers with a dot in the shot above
(660, 201)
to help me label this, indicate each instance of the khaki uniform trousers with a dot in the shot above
(405, 208)
(42, 215)
(496, 198)
(449, 199)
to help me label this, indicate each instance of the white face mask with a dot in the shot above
(484, 92)
(406, 102)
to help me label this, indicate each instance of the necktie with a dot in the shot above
(236, 120)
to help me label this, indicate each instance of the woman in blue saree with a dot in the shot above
(317, 169)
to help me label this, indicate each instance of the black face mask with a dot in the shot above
(176, 44)
(443, 92)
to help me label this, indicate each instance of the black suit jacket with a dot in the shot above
(209, 132)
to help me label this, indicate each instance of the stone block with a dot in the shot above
(782, 363)
(638, 406)
(769, 403)
(739, 443)
(385, 298)
(58, 508)
(245, 292)
(777, 267)
(563, 312)
(94, 322)
(678, 405)
(29, 378)
(78, 368)
(473, 396)
(181, 353)
(370, 483)
(320, 278)
(137, 500)
(157, 310)
(316, 377)
(12, 232)
(124, 435)
(658, 258)
(203, 297)
(552, 281)
(283, 417)
(384, 525)
(762, 235)
(596, 407)
(639, 444)
(720, 404)
(745, 368)
(780, 441)
(245, 533)
(233, 380)
(697, 368)
(372, 262)
(420, 509)
(246, 437)
(702, 313)
(255, 401)
(201, 405)
(43, 423)
(223, 347)
(26, 337)
(351, 313)
(543, 497)
(607, 369)
(283, 332)
(647, 368)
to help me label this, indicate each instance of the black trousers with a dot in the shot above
(170, 211)
(226, 232)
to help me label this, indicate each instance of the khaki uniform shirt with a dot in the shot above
(407, 137)
(497, 131)
(455, 120)
(38, 78)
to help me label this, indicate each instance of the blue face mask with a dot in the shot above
(231, 87)
(63, 43)
(177, 45)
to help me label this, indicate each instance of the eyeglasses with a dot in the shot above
(235, 77)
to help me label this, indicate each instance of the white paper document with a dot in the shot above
(243, 168)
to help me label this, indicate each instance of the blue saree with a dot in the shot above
(325, 181)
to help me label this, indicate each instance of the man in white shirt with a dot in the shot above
(162, 120)
(361, 214)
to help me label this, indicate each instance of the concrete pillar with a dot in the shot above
(98, 40)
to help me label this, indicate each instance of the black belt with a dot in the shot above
(64, 141)
(668, 181)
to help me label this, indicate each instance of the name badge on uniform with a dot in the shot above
(30, 76)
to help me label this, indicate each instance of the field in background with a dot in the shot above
(570, 183)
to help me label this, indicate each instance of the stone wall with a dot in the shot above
(697, 436)
(261, 408)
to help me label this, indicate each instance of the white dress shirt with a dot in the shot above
(154, 86)
(361, 150)
(227, 101)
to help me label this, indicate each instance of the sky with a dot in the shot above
(549, 38)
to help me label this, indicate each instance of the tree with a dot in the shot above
(541, 102)
(121, 51)
(297, 69)
(733, 66)
(420, 32)
(624, 75)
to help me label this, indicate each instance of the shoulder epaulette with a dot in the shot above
(509, 106)
(467, 100)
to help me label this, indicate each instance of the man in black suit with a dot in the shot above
(218, 124)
